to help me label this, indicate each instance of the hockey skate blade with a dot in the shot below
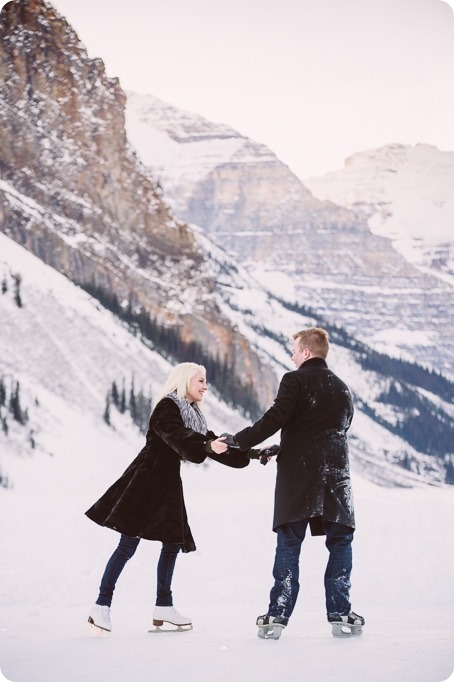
(96, 631)
(270, 631)
(346, 630)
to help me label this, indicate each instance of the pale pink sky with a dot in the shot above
(315, 80)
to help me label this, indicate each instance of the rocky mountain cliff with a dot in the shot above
(406, 194)
(253, 206)
(61, 352)
(73, 192)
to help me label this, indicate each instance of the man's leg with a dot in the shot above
(338, 570)
(284, 593)
(115, 565)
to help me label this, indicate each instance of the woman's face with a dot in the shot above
(197, 387)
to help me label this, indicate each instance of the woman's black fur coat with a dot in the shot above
(147, 501)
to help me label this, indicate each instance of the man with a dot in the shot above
(314, 409)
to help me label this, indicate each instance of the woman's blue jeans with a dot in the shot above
(117, 562)
(284, 593)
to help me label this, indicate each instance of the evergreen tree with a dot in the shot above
(106, 415)
(4, 482)
(143, 411)
(15, 407)
(17, 295)
(449, 467)
(132, 402)
(114, 394)
(2, 392)
(122, 406)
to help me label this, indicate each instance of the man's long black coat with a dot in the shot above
(147, 500)
(314, 409)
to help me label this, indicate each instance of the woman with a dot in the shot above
(147, 501)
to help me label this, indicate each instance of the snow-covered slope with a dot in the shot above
(251, 205)
(267, 322)
(181, 147)
(407, 194)
(65, 350)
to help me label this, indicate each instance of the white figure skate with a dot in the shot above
(167, 619)
(99, 623)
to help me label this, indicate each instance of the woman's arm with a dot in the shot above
(167, 423)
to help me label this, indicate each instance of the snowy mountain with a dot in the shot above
(166, 280)
(74, 193)
(255, 208)
(76, 205)
(406, 193)
(402, 409)
(65, 350)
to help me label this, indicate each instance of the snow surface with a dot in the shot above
(66, 349)
(54, 558)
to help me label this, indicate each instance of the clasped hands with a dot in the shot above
(227, 440)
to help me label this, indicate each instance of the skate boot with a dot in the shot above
(168, 616)
(346, 626)
(99, 621)
(270, 627)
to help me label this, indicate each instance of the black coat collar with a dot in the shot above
(314, 362)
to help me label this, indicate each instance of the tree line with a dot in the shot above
(168, 342)
(11, 407)
(10, 404)
(370, 359)
(425, 428)
(137, 404)
(13, 282)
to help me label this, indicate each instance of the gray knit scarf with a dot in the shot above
(190, 413)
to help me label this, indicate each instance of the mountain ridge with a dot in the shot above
(262, 214)
(167, 280)
(74, 192)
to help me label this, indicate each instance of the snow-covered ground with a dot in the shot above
(53, 557)
(66, 350)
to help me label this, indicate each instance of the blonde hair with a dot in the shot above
(179, 379)
(314, 338)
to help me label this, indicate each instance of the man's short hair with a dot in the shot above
(314, 338)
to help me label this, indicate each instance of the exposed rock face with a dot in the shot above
(257, 209)
(405, 192)
(74, 193)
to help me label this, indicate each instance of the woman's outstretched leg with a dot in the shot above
(100, 614)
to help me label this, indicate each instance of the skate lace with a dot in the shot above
(175, 613)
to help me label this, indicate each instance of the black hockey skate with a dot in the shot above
(346, 626)
(270, 627)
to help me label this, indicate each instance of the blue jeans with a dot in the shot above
(117, 562)
(284, 593)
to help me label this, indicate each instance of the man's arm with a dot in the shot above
(276, 417)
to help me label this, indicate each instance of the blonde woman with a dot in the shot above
(147, 501)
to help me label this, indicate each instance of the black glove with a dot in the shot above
(266, 453)
(230, 440)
